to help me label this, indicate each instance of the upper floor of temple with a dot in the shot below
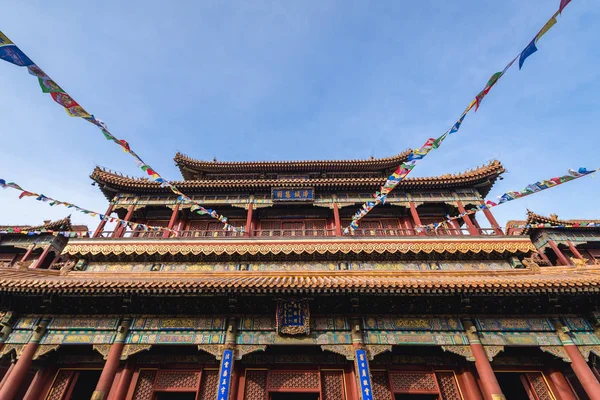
(298, 199)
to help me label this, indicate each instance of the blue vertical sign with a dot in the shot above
(363, 375)
(225, 375)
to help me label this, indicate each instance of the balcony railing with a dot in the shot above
(299, 233)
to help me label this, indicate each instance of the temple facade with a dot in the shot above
(294, 309)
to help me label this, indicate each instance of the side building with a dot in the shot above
(294, 309)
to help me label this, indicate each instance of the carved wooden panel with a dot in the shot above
(381, 386)
(448, 387)
(177, 380)
(539, 386)
(332, 385)
(408, 382)
(143, 390)
(60, 385)
(256, 385)
(293, 380)
(208, 386)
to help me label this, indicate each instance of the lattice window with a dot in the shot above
(381, 386)
(270, 228)
(315, 227)
(391, 226)
(413, 382)
(208, 387)
(198, 227)
(292, 228)
(256, 385)
(333, 385)
(177, 380)
(143, 390)
(60, 385)
(448, 386)
(293, 380)
(539, 386)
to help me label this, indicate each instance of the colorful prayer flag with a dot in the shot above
(529, 50)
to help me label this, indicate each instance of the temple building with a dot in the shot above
(294, 309)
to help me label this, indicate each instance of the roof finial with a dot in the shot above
(554, 217)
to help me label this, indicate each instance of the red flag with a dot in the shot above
(563, 4)
(26, 193)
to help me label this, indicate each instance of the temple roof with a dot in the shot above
(59, 225)
(190, 167)
(545, 280)
(533, 219)
(482, 178)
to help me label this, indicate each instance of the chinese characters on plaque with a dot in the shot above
(292, 194)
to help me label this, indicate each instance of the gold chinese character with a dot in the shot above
(287, 194)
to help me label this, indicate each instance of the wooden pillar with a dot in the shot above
(561, 257)
(578, 364)
(415, 216)
(112, 363)
(336, 218)
(470, 386)
(562, 386)
(102, 223)
(455, 227)
(361, 362)
(575, 251)
(225, 391)
(37, 385)
(249, 219)
(15, 379)
(43, 256)
(28, 253)
(492, 220)
(6, 375)
(125, 380)
(167, 233)
(473, 231)
(120, 230)
(491, 388)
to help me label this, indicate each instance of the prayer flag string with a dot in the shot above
(417, 155)
(53, 202)
(509, 196)
(11, 53)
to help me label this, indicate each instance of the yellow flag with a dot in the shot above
(546, 27)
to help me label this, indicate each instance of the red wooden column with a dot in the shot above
(492, 220)
(248, 228)
(112, 363)
(37, 385)
(43, 256)
(121, 229)
(167, 234)
(336, 218)
(102, 223)
(561, 257)
(470, 384)
(580, 367)
(19, 372)
(473, 231)
(415, 216)
(6, 375)
(124, 381)
(491, 388)
(562, 386)
(575, 251)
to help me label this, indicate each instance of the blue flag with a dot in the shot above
(529, 50)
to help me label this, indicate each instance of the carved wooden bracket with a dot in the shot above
(44, 349)
(214, 349)
(131, 349)
(375, 349)
(103, 349)
(557, 351)
(464, 351)
(345, 350)
(586, 350)
(492, 351)
(242, 350)
(9, 348)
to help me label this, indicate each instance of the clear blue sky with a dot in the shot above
(268, 80)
